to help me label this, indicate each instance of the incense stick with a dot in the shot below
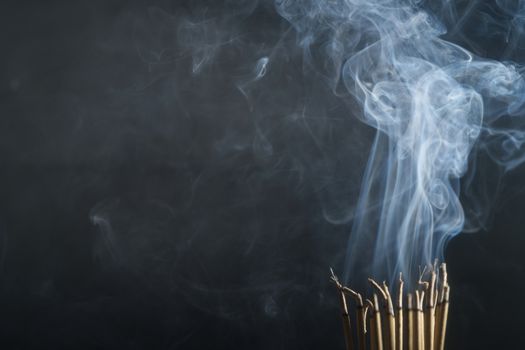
(412, 336)
(391, 338)
(444, 318)
(399, 317)
(372, 327)
(430, 313)
(443, 309)
(347, 327)
(385, 297)
(420, 329)
(377, 325)
(360, 317)
(421, 310)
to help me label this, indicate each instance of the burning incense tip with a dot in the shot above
(426, 310)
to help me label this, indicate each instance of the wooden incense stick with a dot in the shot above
(439, 311)
(360, 317)
(372, 327)
(437, 331)
(444, 318)
(420, 324)
(411, 335)
(377, 323)
(442, 309)
(391, 331)
(384, 297)
(420, 307)
(347, 327)
(430, 313)
(365, 312)
(399, 316)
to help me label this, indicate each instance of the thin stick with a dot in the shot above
(444, 318)
(360, 317)
(385, 296)
(391, 339)
(420, 296)
(378, 327)
(430, 315)
(361, 324)
(399, 317)
(365, 311)
(347, 327)
(373, 331)
(411, 323)
(421, 309)
(421, 274)
(378, 288)
(437, 304)
(437, 332)
(442, 309)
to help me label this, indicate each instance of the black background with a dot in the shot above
(144, 206)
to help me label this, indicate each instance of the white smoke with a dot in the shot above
(433, 104)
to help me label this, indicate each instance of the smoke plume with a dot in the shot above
(434, 105)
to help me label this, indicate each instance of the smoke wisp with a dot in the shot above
(434, 105)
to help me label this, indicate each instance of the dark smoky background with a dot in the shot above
(175, 175)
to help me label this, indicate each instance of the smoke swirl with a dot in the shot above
(434, 105)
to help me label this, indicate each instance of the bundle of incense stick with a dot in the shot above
(385, 323)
